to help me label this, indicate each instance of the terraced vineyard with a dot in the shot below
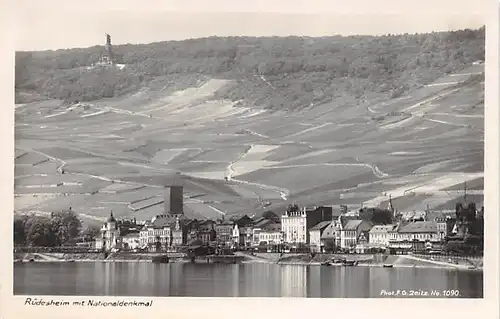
(247, 128)
(117, 154)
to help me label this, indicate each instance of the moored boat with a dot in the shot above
(163, 259)
(350, 263)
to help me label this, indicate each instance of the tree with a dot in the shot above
(19, 230)
(90, 233)
(352, 67)
(376, 216)
(39, 232)
(66, 226)
(271, 216)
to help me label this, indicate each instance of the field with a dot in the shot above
(117, 154)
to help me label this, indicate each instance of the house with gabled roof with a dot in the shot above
(315, 233)
(380, 235)
(329, 238)
(415, 236)
(270, 236)
(350, 231)
(156, 233)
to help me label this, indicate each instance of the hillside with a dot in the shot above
(272, 73)
(117, 153)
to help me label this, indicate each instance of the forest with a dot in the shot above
(58, 229)
(270, 72)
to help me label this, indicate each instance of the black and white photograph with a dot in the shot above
(249, 154)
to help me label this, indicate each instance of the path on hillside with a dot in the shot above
(376, 171)
(284, 193)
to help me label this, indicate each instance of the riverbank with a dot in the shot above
(391, 261)
(362, 260)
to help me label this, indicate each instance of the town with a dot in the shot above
(315, 230)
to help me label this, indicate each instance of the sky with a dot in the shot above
(54, 24)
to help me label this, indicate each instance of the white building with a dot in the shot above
(415, 235)
(350, 232)
(110, 235)
(157, 230)
(270, 234)
(413, 216)
(294, 225)
(380, 235)
(295, 222)
(131, 241)
(236, 235)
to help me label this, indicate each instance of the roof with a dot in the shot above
(161, 221)
(329, 231)
(419, 227)
(410, 215)
(321, 225)
(382, 228)
(344, 219)
(272, 227)
(440, 216)
(352, 224)
(262, 223)
(131, 235)
(225, 224)
(259, 219)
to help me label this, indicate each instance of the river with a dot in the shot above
(236, 280)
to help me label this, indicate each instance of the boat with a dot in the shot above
(326, 263)
(163, 259)
(350, 263)
(387, 266)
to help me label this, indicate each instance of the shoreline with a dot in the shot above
(263, 261)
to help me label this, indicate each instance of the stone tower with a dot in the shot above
(107, 57)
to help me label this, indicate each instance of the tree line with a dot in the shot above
(60, 228)
(271, 72)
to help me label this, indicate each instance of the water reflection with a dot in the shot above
(244, 280)
(293, 281)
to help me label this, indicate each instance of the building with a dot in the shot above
(380, 235)
(181, 230)
(444, 224)
(295, 222)
(156, 234)
(115, 233)
(269, 236)
(363, 242)
(466, 215)
(413, 216)
(224, 233)
(242, 236)
(131, 241)
(350, 232)
(109, 238)
(243, 231)
(174, 200)
(329, 238)
(315, 232)
(179, 236)
(206, 232)
(261, 222)
(415, 236)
